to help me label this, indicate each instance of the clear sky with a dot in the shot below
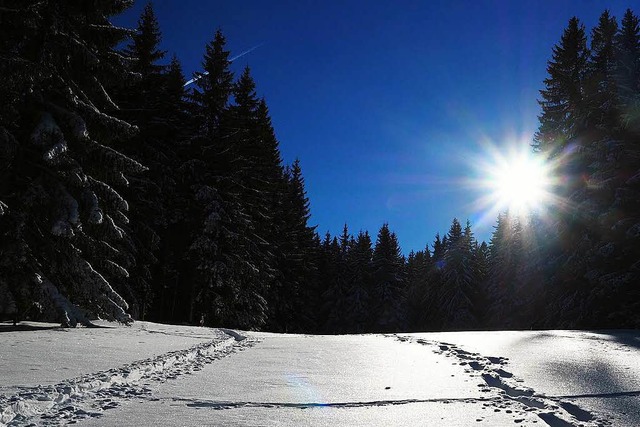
(389, 105)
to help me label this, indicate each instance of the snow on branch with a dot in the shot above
(117, 159)
(95, 213)
(71, 315)
(112, 229)
(108, 194)
(119, 127)
(97, 288)
(46, 131)
(68, 214)
(73, 121)
(3, 208)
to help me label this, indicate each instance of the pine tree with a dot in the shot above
(216, 86)
(141, 101)
(570, 124)
(388, 283)
(628, 70)
(563, 97)
(481, 263)
(334, 297)
(432, 307)
(359, 277)
(505, 279)
(417, 297)
(144, 46)
(600, 85)
(297, 247)
(226, 289)
(612, 298)
(172, 131)
(458, 292)
(336, 294)
(63, 217)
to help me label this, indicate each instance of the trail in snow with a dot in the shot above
(511, 395)
(90, 395)
(532, 378)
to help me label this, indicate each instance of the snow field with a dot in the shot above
(508, 393)
(566, 378)
(501, 378)
(89, 395)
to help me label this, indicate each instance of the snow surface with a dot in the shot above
(151, 374)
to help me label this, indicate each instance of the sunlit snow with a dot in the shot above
(159, 375)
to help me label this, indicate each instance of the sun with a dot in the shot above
(509, 177)
(519, 182)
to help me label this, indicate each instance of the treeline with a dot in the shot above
(125, 195)
(459, 284)
(577, 266)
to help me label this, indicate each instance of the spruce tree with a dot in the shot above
(63, 217)
(500, 272)
(359, 283)
(563, 97)
(172, 131)
(459, 283)
(600, 85)
(225, 288)
(417, 293)
(628, 70)
(141, 101)
(334, 297)
(571, 132)
(388, 283)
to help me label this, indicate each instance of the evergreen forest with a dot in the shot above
(126, 194)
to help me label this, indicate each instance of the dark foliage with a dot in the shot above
(118, 184)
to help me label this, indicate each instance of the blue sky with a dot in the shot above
(388, 104)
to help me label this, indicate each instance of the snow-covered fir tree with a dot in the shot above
(64, 247)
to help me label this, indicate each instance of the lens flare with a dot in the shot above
(511, 177)
(520, 183)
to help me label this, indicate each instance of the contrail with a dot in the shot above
(240, 55)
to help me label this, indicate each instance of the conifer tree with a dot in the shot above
(611, 298)
(432, 308)
(359, 286)
(628, 69)
(334, 298)
(388, 283)
(600, 85)
(141, 101)
(171, 132)
(563, 97)
(569, 124)
(459, 287)
(481, 263)
(505, 255)
(226, 289)
(336, 295)
(62, 213)
(418, 282)
(297, 248)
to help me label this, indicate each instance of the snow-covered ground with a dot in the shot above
(152, 374)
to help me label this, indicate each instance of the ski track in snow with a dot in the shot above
(506, 392)
(90, 395)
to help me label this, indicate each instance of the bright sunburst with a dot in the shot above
(512, 178)
(519, 183)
